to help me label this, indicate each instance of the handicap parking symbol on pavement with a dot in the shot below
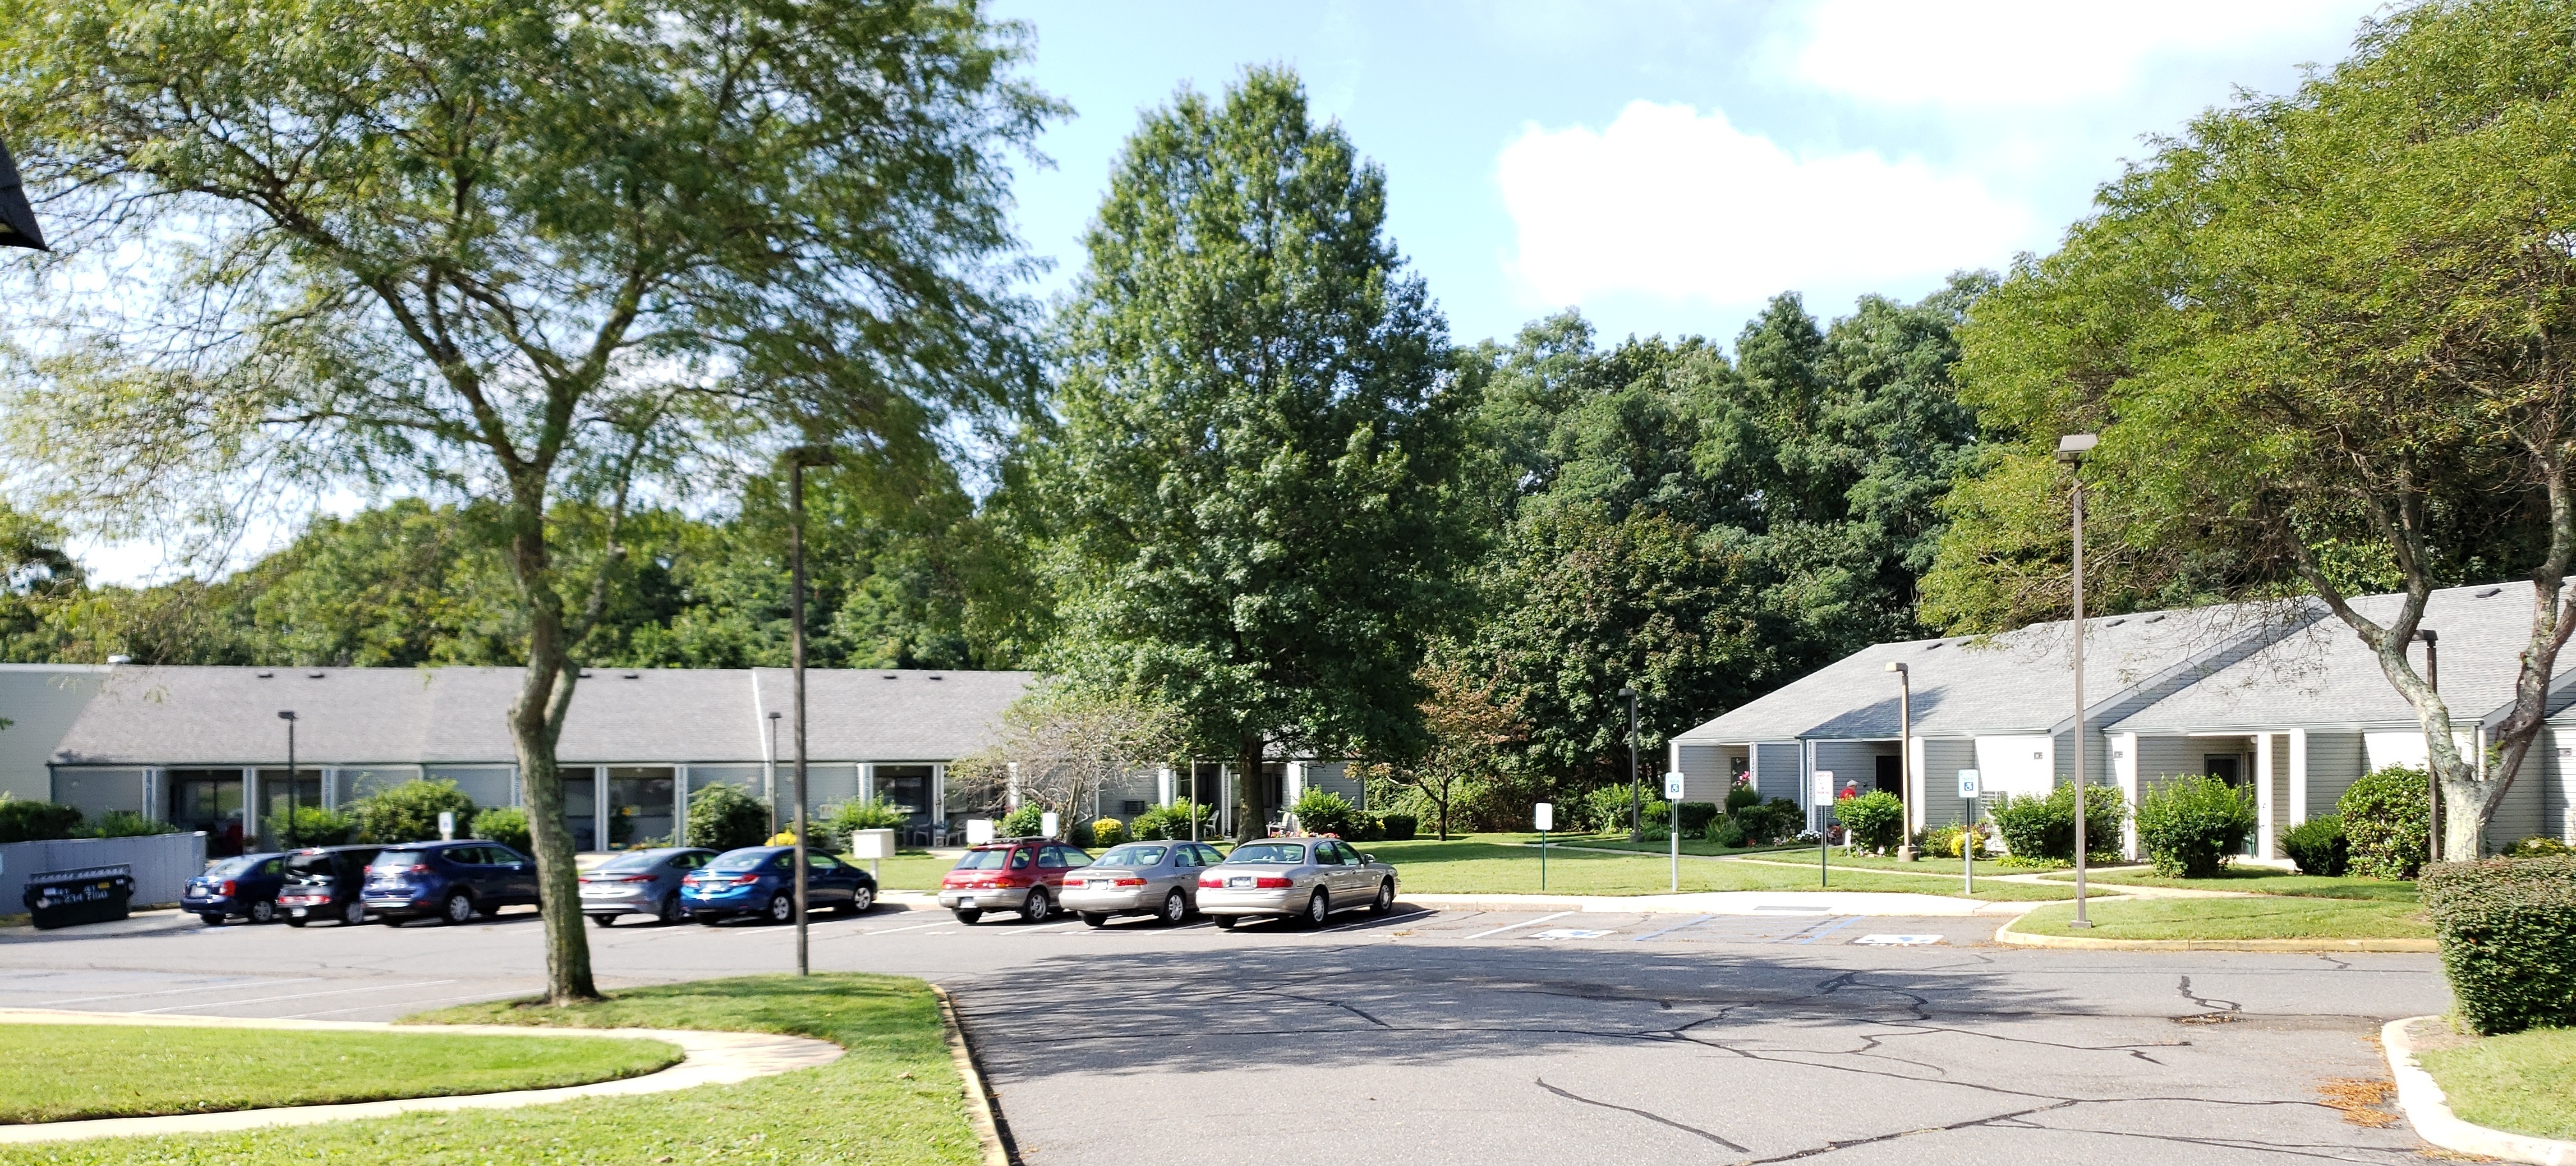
(1898, 940)
(1568, 933)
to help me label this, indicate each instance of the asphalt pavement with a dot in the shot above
(1440, 1036)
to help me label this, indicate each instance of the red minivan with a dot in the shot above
(1010, 874)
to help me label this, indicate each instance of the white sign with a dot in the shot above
(1672, 787)
(1824, 786)
(447, 825)
(1546, 816)
(1047, 822)
(979, 831)
(1967, 783)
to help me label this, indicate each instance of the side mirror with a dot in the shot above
(1368, 858)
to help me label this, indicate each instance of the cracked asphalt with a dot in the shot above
(1462, 1036)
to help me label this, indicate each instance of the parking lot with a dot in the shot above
(1465, 1036)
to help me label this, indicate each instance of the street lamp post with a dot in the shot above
(773, 771)
(288, 716)
(2071, 450)
(797, 460)
(1904, 761)
(1636, 799)
(2432, 782)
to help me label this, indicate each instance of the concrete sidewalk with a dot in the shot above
(1890, 903)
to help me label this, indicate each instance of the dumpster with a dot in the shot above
(63, 898)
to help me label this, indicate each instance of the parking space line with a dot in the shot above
(252, 983)
(294, 996)
(1521, 924)
(1041, 928)
(1814, 933)
(1674, 928)
(914, 927)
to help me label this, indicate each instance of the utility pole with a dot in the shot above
(288, 716)
(2071, 450)
(797, 459)
(1904, 761)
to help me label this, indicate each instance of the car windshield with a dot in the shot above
(645, 860)
(237, 867)
(1283, 853)
(1145, 856)
(992, 859)
(739, 860)
(400, 859)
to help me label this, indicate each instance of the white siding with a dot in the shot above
(2017, 765)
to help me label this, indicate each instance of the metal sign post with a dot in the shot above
(1546, 813)
(1824, 799)
(1673, 799)
(1968, 829)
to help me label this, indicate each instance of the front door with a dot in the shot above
(208, 800)
(640, 806)
(1887, 778)
(581, 805)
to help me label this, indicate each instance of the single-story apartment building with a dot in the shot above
(2279, 697)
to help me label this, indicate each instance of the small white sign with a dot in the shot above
(1047, 823)
(1546, 814)
(1824, 780)
(1672, 787)
(1968, 784)
(447, 825)
(979, 831)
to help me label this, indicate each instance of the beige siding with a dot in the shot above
(1704, 771)
(2334, 763)
(2162, 759)
(1849, 761)
(2279, 780)
(1942, 761)
(1779, 771)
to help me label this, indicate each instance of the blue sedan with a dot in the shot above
(760, 881)
(246, 887)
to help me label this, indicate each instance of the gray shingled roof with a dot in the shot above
(2322, 675)
(356, 716)
(2015, 683)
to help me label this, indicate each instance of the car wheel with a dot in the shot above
(1095, 918)
(1226, 922)
(1175, 908)
(969, 917)
(1318, 909)
(212, 919)
(1039, 908)
(458, 910)
(353, 914)
(263, 911)
(782, 909)
(292, 921)
(1385, 899)
(671, 911)
(863, 900)
(604, 920)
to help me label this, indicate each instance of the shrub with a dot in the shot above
(2191, 826)
(1727, 832)
(125, 824)
(2043, 828)
(2319, 847)
(1604, 810)
(2508, 935)
(1874, 820)
(315, 826)
(1944, 841)
(1741, 797)
(2385, 818)
(1696, 816)
(1770, 822)
(724, 817)
(1399, 827)
(1024, 822)
(409, 812)
(1172, 821)
(507, 825)
(31, 821)
(1078, 834)
(847, 818)
(1322, 811)
(2537, 846)
(1108, 832)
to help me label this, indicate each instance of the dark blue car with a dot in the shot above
(449, 881)
(761, 881)
(244, 887)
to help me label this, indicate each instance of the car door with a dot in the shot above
(1350, 879)
(1179, 868)
(826, 880)
(515, 873)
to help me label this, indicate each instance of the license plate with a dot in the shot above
(1239, 881)
(298, 912)
(966, 900)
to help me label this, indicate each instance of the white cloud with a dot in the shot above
(2036, 53)
(1678, 204)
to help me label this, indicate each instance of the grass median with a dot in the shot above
(2266, 917)
(87, 1071)
(2524, 1082)
(2256, 880)
(1499, 864)
(894, 1100)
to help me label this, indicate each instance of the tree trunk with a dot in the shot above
(1251, 792)
(2464, 819)
(536, 723)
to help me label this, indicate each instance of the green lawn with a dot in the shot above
(2253, 918)
(2260, 881)
(895, 1100)
(1496, 864)
(2525, 1082)
(1700, 847)
(910, 870)
(103, 1070)
(1835, 858)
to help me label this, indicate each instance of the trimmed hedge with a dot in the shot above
(2034, 827)
(2386, 816)
(1398, 827)
(2507, 928)
(1696, 816)
(1874, 820)
(507, 826)
(1108, 832)
(1771, 821)
(31, 821)
(2191, 826)
(2319, 847)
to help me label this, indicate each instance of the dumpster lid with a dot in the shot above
(82, 875)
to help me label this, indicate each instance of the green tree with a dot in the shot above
(1256, 493)
(2320, 336)
(528, 255)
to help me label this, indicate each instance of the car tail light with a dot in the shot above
(227, 888)
(1271, 881)
(745, 880)
(1211, 880)
(1124, 881)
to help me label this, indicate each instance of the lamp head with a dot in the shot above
(2072, 447)
(808, 455)
(2428, 635)
(286, 714)
(1627, 692)
(775, 715)
(1897, 667)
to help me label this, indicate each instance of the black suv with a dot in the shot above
(324, 882)
(451, 881)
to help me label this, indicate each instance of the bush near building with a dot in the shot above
(1108, 832)
(1773, 821)
(1024, 822)
(32, 821)
(722, 817)
(1696, 817)
(2043, 828)
(1873, 821)
(507, 826)
(409, 812)
(1173, 821)
(1322, 811)
(2190, 827)
(2507, 929)
(2386, 815)
(315, 826)
(2319, 847)
(1398, 827)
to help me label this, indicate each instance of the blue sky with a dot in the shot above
(1668, 167)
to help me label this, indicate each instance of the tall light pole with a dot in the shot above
(2432, 783)
(1636, 800)
(1904, 761)
(2071, 450)
(288, 716)
(797, 460)
(773, 771)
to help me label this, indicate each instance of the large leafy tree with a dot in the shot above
(2325, 339)
(1255, 487)
(517, 252)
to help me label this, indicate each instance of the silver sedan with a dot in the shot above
(1304, 879)
(1140, 878)
(640, 882)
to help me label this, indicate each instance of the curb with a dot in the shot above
(712, 1058)
(979, 1097)
(1891, 904)
(2006, 935)
(2425, 1106)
